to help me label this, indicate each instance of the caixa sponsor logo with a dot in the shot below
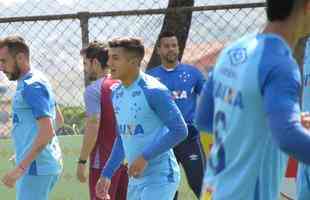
(131, 130)
(180, 94)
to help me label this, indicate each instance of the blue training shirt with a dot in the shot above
(34, 99)
(251, 104)
(185, 83)
(303, 176)
(149, 124)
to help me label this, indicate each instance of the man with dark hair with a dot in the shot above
(38, 155)
(149, 125)
(100, 123)
(185, 83)
(251, 104)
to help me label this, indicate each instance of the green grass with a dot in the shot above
(68, 188)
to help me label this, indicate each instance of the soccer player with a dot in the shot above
(303, 174)
(100, 123)
(149, 125)
(251, 104)
(38, 155)
(185, 83)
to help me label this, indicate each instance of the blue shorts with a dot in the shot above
(303, 182)
(154, 191)
(37, 187)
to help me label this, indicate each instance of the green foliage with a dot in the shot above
(74, 118)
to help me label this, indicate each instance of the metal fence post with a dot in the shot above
(84, 17)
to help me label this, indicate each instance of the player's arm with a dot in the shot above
(205, 107)
(200, 81)
(59, 118)
(92, 105)
(280, 86)
(163, 105)
(40, 102)
(117, 156)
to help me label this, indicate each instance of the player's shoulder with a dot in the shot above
(276, 52)
(116, 87)
(110, 83)
(35, 79)
(153, 90)
(154, 70)
(92, 87)
(275, 46)
(150, 83)
(185, 67)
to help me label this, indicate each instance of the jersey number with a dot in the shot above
(220, 121)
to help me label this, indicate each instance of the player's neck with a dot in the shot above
(103, 72)
(24, 70)
(131, 78)
(283, 29)
(169, 65)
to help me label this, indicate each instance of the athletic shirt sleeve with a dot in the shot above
(280, 85)
(92, 100)
(40, 100)
(116, 157)
(162, 104)
(205, 107)
(200, 81)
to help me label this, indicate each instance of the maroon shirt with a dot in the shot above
(107, 126)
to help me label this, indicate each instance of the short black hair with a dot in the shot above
(166, 34)
(130, 44)
(98, 50)
(280, 10)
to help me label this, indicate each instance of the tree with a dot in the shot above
(177, 21)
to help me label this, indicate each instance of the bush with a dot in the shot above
(74, 118)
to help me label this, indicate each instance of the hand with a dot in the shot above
(80, 173)
(305, 119)
(12, 159)
(11, 177)
(137, 167)
(102, 188)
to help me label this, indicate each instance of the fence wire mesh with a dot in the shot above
(55, 42)
(55, 45)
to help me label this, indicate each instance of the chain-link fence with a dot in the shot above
(55, 36)
(55, 42)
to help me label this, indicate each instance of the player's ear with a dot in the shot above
(96, 62)
(20, 57)
(158, 49)
(306, 7)
(135, 61)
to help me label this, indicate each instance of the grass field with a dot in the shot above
(68, 188)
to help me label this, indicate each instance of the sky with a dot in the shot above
(10, 2)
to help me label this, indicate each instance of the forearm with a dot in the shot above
(89, 139)
(290, 135)
(59, 118)
(166, 142)
(205, 108)
(45, 135)
(116, 157)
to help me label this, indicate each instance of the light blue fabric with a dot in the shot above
(255, 113)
